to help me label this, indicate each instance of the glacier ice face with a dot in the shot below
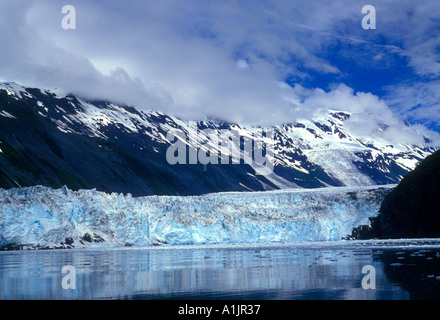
(44, 217)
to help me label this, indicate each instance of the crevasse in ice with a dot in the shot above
(46, 217)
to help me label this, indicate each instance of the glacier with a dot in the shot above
(41, 217)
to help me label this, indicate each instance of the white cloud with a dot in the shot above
(418, 102)
(187, 58)
(226, 59)
(370, 118)
(242, 64)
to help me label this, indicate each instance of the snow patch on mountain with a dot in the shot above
(341, 165)
(7, 115)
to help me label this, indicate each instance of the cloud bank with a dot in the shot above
(243, 61)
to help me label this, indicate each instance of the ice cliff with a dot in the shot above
(41, 217)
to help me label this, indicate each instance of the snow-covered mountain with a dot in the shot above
(41, 217)
(52, 140)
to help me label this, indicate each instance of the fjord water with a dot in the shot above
(316, 270)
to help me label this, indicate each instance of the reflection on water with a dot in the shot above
(409, 270)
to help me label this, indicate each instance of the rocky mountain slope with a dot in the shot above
(411, 210)
(52, 140)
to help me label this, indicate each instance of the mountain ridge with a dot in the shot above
(52, 140)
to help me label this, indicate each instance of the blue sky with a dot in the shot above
(259, 62)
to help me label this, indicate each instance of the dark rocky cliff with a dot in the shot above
(412, 209)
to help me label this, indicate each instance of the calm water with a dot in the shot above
(404, 270)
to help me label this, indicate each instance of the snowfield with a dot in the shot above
(41, 217)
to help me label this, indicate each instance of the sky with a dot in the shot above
(255, 62)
